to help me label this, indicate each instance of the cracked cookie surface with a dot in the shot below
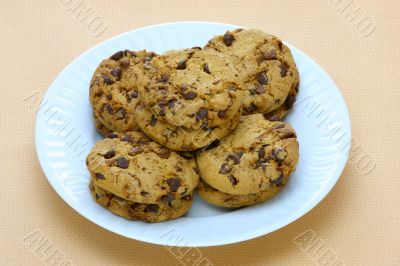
(135, 168)
(153, 212)
(178, 137)
(267, 66)
(192, 88)
(258, 155)
(113, 89)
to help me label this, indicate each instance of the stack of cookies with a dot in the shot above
(213, 112)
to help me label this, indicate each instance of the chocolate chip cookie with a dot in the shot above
(267, 65)
(192, 88)
(131, 166)
(223, 199)
(113, 89)
(258, 155)
(152, 212)
(180, 138)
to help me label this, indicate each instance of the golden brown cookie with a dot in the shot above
(153, 212)
(135, 168)
(258, 155)
(192, 88)
(113, 89)
(267, 66)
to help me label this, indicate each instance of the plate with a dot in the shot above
(65, 133)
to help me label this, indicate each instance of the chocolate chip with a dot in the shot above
(162, 109)
(135, 205)
(272, 117)
(133, 94)
(279, 181)
(167, 198)
(261, 152)
(109, 154)
(284, 69)
(278, 155)
(290, 101)
(109, 109)
(278, 126)
(184, 88)
(152, 208)
(206, 68)
(121, 113)
(174, 184)
(287, 134)
(126, 138)
(225, 168)
(251, 108)
(122, 162)
(269, 55)
(262, 164)
(100, 176)
(181, 64)
(124, 63)
(107, 80)
(109, 96)
(134, 151)
(280, 44)
(212, 145)
(252, 92)
(201, 114)
(221, 114)
(144, 193)
(228, 38)
(171, 103)
(189, 95)
(262, 78)
(196, 48)
(165, 78)
(259, 88)
(164, 153)
(112, 135)
(117, 56)
(116, 72)
(187, 155)
(153, 121)
(235, 157)
(233, 180)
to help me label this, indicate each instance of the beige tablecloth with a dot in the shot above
(356, 41)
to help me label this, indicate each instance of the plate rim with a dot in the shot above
(251, 234)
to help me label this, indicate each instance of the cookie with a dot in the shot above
(192, 88)
(221, 199)
(135, 168)
(258, 155)
(140, 211)
(180, 138)
(113, 89)
(267, 66)
(102, 129)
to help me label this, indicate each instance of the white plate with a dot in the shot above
(65, 133)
